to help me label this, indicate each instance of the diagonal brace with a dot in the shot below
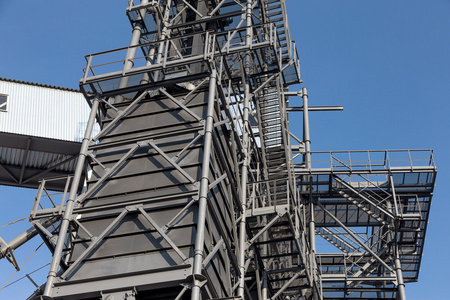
(91, 236)
(217, 181)
(178, 215)
(108, 173)
(181, 105)
(44, 233)
(42, 229)
(193, 9)
(195, 89)
(177, 156)
(349, 231)
(217, 8)
(286, 285)
(95, 243)
(119, 116)
(213, 252)
(256, 236)
(170, 161)
(162, 233)
(271, 77)
(362, 197)
(8, 172)
(49, 169)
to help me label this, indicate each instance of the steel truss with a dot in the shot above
(373, 207)
(196, 188)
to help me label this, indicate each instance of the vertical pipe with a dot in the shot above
(306, 138)
(265, 252)
(54, 266)
(245, 142)
(162, 40)
(308, 178)
(401, 295)
(146, 77)
(204, 183)
(264, 286)
(244, 175)
(131, 53)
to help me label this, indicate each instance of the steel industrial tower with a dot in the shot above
(196, 189)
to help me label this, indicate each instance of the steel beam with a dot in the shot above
(356, 238)
(203, 191)
(54, 266)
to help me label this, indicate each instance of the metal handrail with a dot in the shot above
(238, 46)
(387, 162)
(40, 195)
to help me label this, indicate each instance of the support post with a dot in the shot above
(306, 137)
(401, 295)
(308, 178)
(131, 53)
(54, 266)
(165, 32)
(203, 195)
(264, 286)
(244, 170)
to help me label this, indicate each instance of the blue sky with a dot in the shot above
(386, 62)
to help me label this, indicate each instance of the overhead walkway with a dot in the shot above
(373, 207)
(41, 128)
(25, 160)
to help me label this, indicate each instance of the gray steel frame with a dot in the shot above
(235, 201)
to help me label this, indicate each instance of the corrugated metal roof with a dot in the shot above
(40, 131)
(39, 84)
(36, 159)
(43, 111)
(24, 160)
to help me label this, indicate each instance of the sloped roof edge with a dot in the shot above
(40, 84)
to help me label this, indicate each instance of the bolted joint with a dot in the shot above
(133, 207)
(198, 252)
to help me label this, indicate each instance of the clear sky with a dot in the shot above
(386, 62)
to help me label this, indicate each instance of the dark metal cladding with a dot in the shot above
(196, 189)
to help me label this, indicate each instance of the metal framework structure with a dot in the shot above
(195, 187)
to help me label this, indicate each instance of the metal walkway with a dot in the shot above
(196, 189)
(373, 207)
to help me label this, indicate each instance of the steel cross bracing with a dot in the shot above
(190, 190)
(373, 207)
(194, 190)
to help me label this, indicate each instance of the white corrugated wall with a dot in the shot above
(43, 111)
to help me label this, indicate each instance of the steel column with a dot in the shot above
(131, 53)
(308, 178)
(401, 295)
(204, 188)
(54, 266)
(246, 159)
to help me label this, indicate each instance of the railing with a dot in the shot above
(278, 192)
(132, 5)
(235, 39)
(292, 74)
(113, 61)
(372, 160)
(373, 187)
(411, 207)
(286, 25)
(45, 201)
(174, 56)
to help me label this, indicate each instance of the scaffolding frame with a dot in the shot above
(196, 110)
